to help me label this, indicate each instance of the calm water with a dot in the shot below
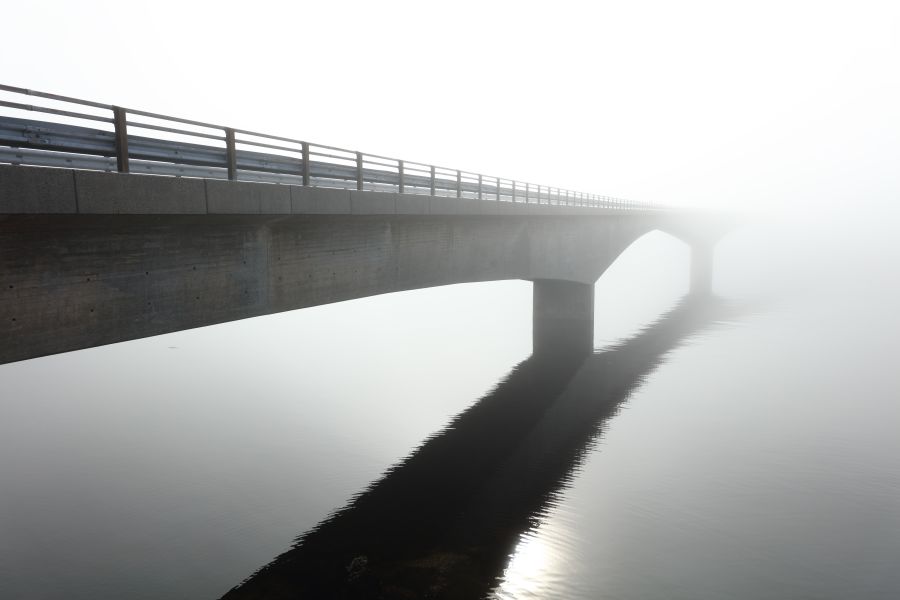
(743, 447)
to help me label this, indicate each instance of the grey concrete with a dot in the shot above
(410, 204)
(563, 316)
(27, 190)
(372, 203)
(469, 206)
(243, 198)
(73, 280)
(114, 193)
(442, 205)
(41, 190)
(319, 201)
(303, 201)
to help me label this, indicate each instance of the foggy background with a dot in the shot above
(703, 103)
(783, 111)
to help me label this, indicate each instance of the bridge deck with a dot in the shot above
(83, 134)
(42, 190)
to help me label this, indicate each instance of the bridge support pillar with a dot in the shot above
(563, 316)
(702, 267)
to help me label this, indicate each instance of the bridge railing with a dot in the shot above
(81, 134)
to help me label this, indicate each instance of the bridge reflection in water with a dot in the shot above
(444, 522)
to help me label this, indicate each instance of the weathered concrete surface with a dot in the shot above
(244, 198)
(27, 191)
(325, 201)
(155, 258)
(35, 190)
(563, 316)
(77, 281)
(119, 194)
(373, 203)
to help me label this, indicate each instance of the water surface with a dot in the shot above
(734, 448)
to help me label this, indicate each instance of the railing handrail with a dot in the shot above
(172, 157)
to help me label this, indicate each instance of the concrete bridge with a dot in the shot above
(90, 257)
(93, 258)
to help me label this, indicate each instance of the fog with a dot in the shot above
(783, 113)
(765, 106)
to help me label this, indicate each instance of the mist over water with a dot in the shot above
(741, 449)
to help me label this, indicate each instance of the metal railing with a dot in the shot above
(82, 134)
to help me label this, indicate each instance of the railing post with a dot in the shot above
(230, 154)
(527, 186)
(359, 171)
(498, 189)
(305, 146)
(458, 184)
(432, 180)
(121, 124)
(514, 191)
(480, 194)
(400, 188)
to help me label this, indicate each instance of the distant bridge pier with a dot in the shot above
(702, 259)
(563, 316)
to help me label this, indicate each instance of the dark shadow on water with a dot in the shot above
(443, 522)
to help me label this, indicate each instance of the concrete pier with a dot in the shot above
(563, 316)
(702, 257)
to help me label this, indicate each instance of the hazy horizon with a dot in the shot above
(778, 105)
(750, 452)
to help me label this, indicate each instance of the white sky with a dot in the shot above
(710, 103)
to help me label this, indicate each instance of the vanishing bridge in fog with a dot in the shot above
(117, 224)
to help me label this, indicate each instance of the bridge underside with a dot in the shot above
(72, 282)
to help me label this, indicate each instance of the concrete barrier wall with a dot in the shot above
(40, 190)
